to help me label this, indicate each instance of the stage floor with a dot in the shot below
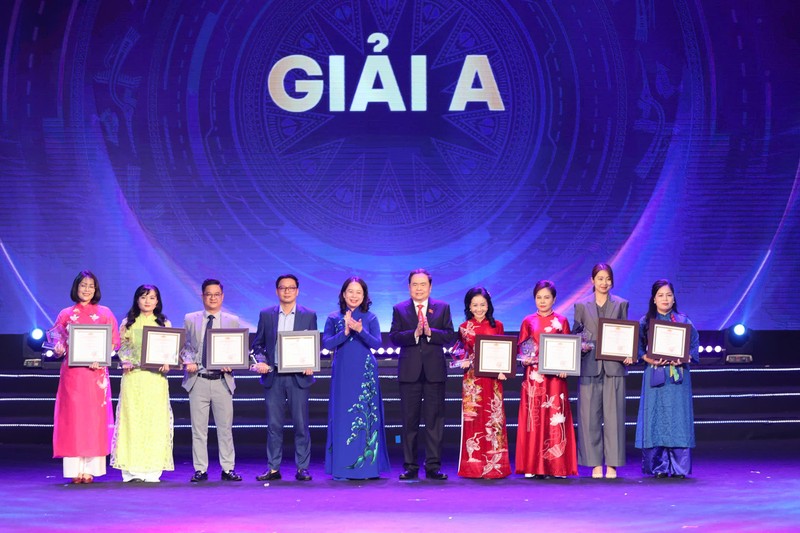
(742, 486)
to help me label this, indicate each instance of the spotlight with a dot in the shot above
(35, 339)
(739, 344)
(708, 348)
(700, 349)
(381, 351)
(717, 348)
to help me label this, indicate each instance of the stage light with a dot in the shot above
(708, 349)
(717, 348)
(700, 349)
(739, 344)
(35, 339)
(390, 351)
(381, 351)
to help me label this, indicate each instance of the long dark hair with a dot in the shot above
(134, 311)
(479, 291)
(83, 274)
(652, 311)
(364, 305)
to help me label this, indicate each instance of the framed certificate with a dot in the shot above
(494, 355)
(669, 340)
(297, 351)
(89, 343)
(227, 348)
(162, 346)
(617, 340)
(559, 354)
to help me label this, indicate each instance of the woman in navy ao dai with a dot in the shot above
(665, 425)
(356, 444)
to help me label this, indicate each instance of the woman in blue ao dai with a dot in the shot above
(665, 425)
(356, 445)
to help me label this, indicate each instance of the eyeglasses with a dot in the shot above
(287, 289)
(212, 294)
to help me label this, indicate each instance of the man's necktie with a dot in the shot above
(205, 337)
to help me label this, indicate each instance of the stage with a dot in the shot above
(736, 486)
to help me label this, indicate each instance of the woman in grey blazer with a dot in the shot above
(601, 394)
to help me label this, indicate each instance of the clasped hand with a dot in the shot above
(423, 328)
(349, 323)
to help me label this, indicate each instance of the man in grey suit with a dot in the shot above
(282, 388)
(209, 389)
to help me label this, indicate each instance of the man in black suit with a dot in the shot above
(421, 326)
(281, 389)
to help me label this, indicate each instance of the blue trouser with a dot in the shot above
(285, 388)
(663, 460)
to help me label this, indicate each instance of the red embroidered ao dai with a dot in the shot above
(83, 420)
(545, 436)
(484, 442)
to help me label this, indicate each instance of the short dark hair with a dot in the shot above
(286, 276)
(83, 274)
(544, 284)
(599, 267)
(212, 281)
(420, 271)
(479, 291)
(365, 304)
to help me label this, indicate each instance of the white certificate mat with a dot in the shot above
(617, 340)
(89, 343)
(297, 351)
(559, 354)
(669, 340)
(227, 348)
(494, 355)
(162, 346)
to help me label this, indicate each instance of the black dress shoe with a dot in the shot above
(199, 476)
(409, 475)
(661, 475)
(230, 475)
(302, 475)
(437, 475)
(269, 475)
(679, 476)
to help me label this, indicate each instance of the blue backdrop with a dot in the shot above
(493, 142)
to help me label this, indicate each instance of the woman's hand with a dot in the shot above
(563, 375)
(627, 361)
(347, 319)
(59, 348)
(501, 376)
(465, 364)
(164, 369)
(95, 365)
(191, 368)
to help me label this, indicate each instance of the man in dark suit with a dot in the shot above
(281, 389)
(421, 326)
